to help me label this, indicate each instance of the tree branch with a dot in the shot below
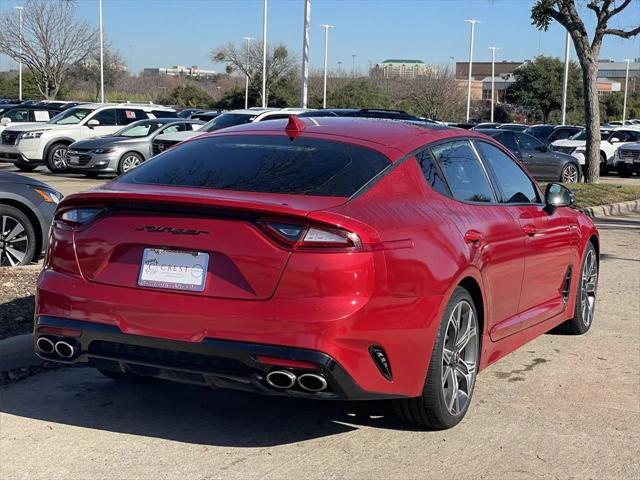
(622, 33)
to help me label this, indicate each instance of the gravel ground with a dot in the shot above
(17, 290)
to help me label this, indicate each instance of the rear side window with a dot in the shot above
(464, 173)
(431, 173)
(127, 116)
(264, 164)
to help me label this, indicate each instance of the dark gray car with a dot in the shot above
(26, 212)
(544, 164)
(125, 149)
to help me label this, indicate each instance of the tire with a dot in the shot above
(129, 161)
(604, 167)
(56, 160)
(570, 173)
(17, 238)
(437, 408)
(25, 167)
(586, 292)
(123, 377)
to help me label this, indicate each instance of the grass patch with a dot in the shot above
(591, 195)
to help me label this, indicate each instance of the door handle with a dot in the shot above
(472, 236)
(529, 229)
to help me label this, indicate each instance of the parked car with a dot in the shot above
(541, 132)
(611, 140)
(563, 132)
(28, 114)
(27, 207)
(485, 125)
(362, 113)
(205, 116)
(515, 127)
(225, 120)
(544, 164)
(28, 146)
(187, 112)
(348, 259)
(626, 160)
(125, 149)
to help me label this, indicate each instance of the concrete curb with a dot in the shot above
(612, 209)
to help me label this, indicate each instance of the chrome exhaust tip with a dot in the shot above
(65, 350)
(281, 379)
(45, 345)
(312, 382)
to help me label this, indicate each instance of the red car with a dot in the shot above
(323, 258)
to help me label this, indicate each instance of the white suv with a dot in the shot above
(30, 145)
(225, 120)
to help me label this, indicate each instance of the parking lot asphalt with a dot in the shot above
(560, 407)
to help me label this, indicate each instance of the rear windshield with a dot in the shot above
(263, 164)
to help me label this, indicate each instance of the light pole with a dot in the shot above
(626, 89)
(565, 80)
(473, 29)
(20, 67)
(453, 65)
(304, 77)
(353, 67)
(493, 77)
(340, 69)
(264, 56)
(101, 54)
(326, 49)
(246, 80)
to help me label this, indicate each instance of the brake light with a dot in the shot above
(301, 236)
(76, 217)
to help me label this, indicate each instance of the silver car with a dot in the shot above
(125, 149)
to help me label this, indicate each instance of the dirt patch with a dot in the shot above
(17, 291)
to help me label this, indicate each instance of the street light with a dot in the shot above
(473, 29)
(326, 49)
(246, 82)
(565, 80)
(101, 54)
(304, 77)
(493, 77)
(626, 89)
(264, 56)
(20, 67)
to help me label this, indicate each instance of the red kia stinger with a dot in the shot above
(324, 258)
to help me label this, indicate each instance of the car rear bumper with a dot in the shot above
(211, 362)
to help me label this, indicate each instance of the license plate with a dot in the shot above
(74, 159)
(173, 269)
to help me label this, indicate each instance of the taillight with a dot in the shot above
(300, 236)
(76, 217)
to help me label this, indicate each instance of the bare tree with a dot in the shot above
(565, 12)
(89, 69)
(52, 42)
(280, 64)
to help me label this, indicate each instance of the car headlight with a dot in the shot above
(104, 150)
(49, 196)
(30, 135)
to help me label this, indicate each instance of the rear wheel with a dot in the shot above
(452, 371)
(570, 173)
(604, 167)
(17, 237)
(25, 167)
(57, 158)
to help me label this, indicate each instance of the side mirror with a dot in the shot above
(615, 140)
(557, 195)
(5, 121)
(93, 123)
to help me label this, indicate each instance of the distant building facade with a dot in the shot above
(180, 71)
(400, 68)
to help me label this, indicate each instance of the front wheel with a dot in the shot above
(129, 161)
(604, 166)
(452, 371)
(17, 238)
(56, 160)
(570, 173)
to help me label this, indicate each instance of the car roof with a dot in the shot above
(142, 106)
(401, 135)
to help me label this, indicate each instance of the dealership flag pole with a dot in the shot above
(305, 55)
(264, 57)
(565, 81)
(473, 28)
(101, 55)
(626, 88)
(246, 80)
(493, 76)
(326, 49)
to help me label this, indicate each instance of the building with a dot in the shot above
(482, 70)
(616, 71)
(501, 84)
(400, 68)
(180, 71)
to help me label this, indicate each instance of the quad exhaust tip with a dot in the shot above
(312, 382)
(281, 379)
(45, 345)
(65, 350)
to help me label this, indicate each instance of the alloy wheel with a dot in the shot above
(129, 162)
(570, 174)
(59, 158)
(588, 284)
(459, 356)
(14, 242)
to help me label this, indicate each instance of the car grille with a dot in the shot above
(629, 155)
(567, 150)
(160, 146)
(82, 159)
(9, 137)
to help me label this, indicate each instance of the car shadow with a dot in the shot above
(185, 413)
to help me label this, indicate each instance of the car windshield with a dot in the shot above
(581, 135)
(264, 164)
(227, 120)
(139, 129)
(73, 116)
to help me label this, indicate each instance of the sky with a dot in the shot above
(163, 33)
